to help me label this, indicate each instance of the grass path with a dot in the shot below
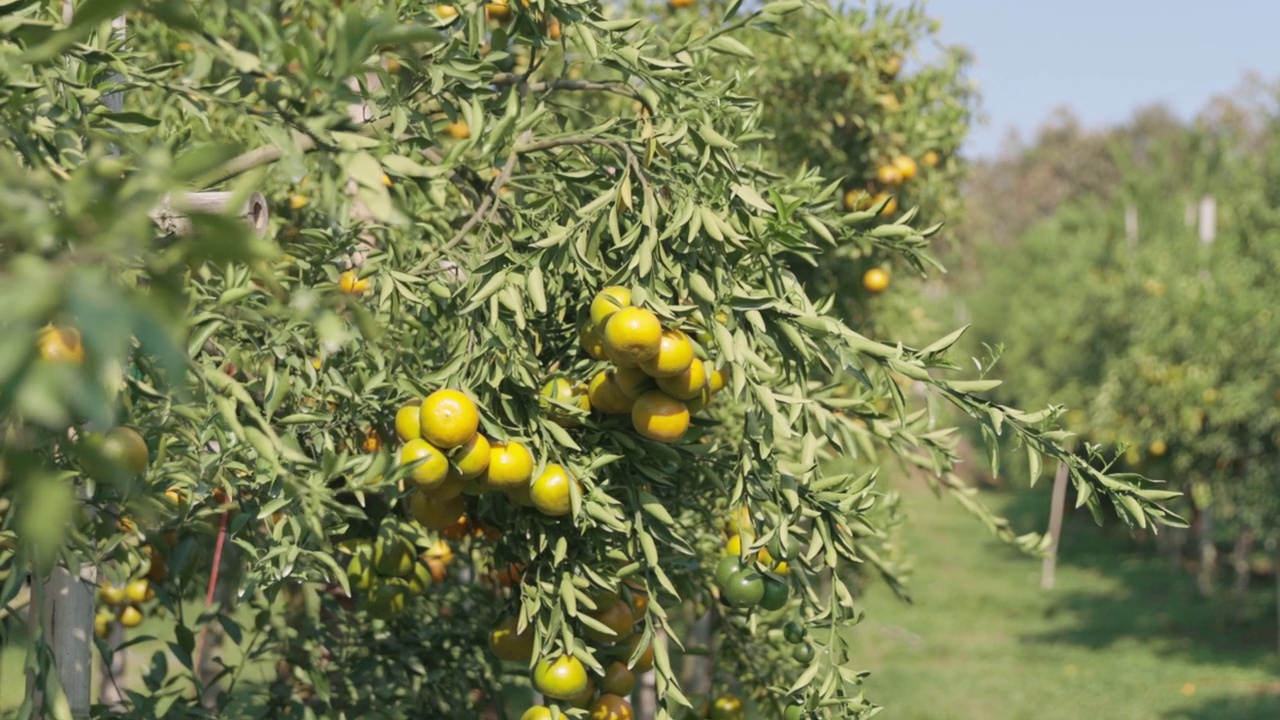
(1120, 638)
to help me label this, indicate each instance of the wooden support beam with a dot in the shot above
(173, 214)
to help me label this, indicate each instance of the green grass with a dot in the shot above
(1119, 637)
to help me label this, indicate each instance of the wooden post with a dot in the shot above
(1240, 564)
(66, 623)
(172, 214)
(1131, 226)
(1208, 219)
(1205, 576)
(1056, 508)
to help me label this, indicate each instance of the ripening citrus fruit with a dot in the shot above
(658, 416)
(632, 335)
(875, 280)
(592, 341)
(432, 465)
(553, 29)
(728, 707)
(472, 457)
(617, 617)
(607, 302)
(856, 200)
(352, 284)
(618, 679)
(930, 159)
(449, 419)
(606, 396)
(550, 491)
(744, 589)
(393, 557)
(446, 12)
(139, 591)
(906, 166)
(697, 404)
(60, 344)
(498, 10)
(509, 644)
(510, 466)
(681, 4)
(775, 595)
(1157, 448)
(540, 712)
(130, 617)
(560, 390)
(409, 421)
(451, 488)
(372, 442)
(888, 175)
(458, 130)
(583, 699)
(687, 384)
(561, 678)
(675, 353)
(436, 514)
(889, 208)
(102, 624)
(611, 707)
(734, 546)
(728, 566)
(644, 663)
(124, 447)
(718, 378)
(389, 599)
(109, 594)
(632, 381)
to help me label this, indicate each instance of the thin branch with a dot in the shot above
(586, 85)
(490, 198)
(579, 140)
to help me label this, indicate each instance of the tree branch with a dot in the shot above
(587, 85)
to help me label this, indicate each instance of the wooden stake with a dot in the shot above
(1056, 508)
(172, 215)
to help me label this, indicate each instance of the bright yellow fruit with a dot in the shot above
(472, 458)
(130, 617)
(688, 384)
(139, 591)
(561, 678)
(458, 130)
(449, 419)
(60, 344)
(606, 395)
(906, 166)
(432, 466)
(888, 175)
(875, 280)
(718, 379)
(592, 341)
(632, 336)
(409, 421)
(675, 353)
(607, 302)
(550, 491)
(632, 381)
(660, 417)
(510, 466)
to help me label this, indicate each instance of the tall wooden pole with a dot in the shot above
(1056, 509)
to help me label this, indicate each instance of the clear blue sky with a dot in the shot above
(1104, 58)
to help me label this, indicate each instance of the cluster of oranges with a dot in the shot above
(121, 604)
(450, 457)
(658, 377)
(748, 581)
(565, 681)
(889, 176)
(389, 571)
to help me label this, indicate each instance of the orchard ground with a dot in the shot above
(1119, 636)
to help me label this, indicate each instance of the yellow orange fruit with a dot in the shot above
(449, 419)
(592, 341)
(510, 466)
(508, 644)
(436, 514)
(472, 458)
(109, 594)
(632, 335)
(632, 381)
(351, 283)
(685, 385)
(561, 678)
(607, 302)
(888, 175)
(681, 4)
(658, 416)
(675, 354)
(139, 591)
(617, 617)
(875, 280)
(889, 208)
(60, 344)
(606, 395)
(409, 421)
(458, 130)
(130, 616)
(550, 491)
(856, 200)
(446, 12)
(618, 679)
(930, 159)
(906, 166)
(432, 465)
(611, 707)
(717, 379)
(498, 10)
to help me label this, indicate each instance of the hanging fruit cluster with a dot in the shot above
(121, 603)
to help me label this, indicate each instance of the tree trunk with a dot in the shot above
(1205, 577)
(1240, 564)
(65, 611)
(1056, 508)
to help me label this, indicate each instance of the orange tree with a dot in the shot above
(479, 414)
(1179, 332)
